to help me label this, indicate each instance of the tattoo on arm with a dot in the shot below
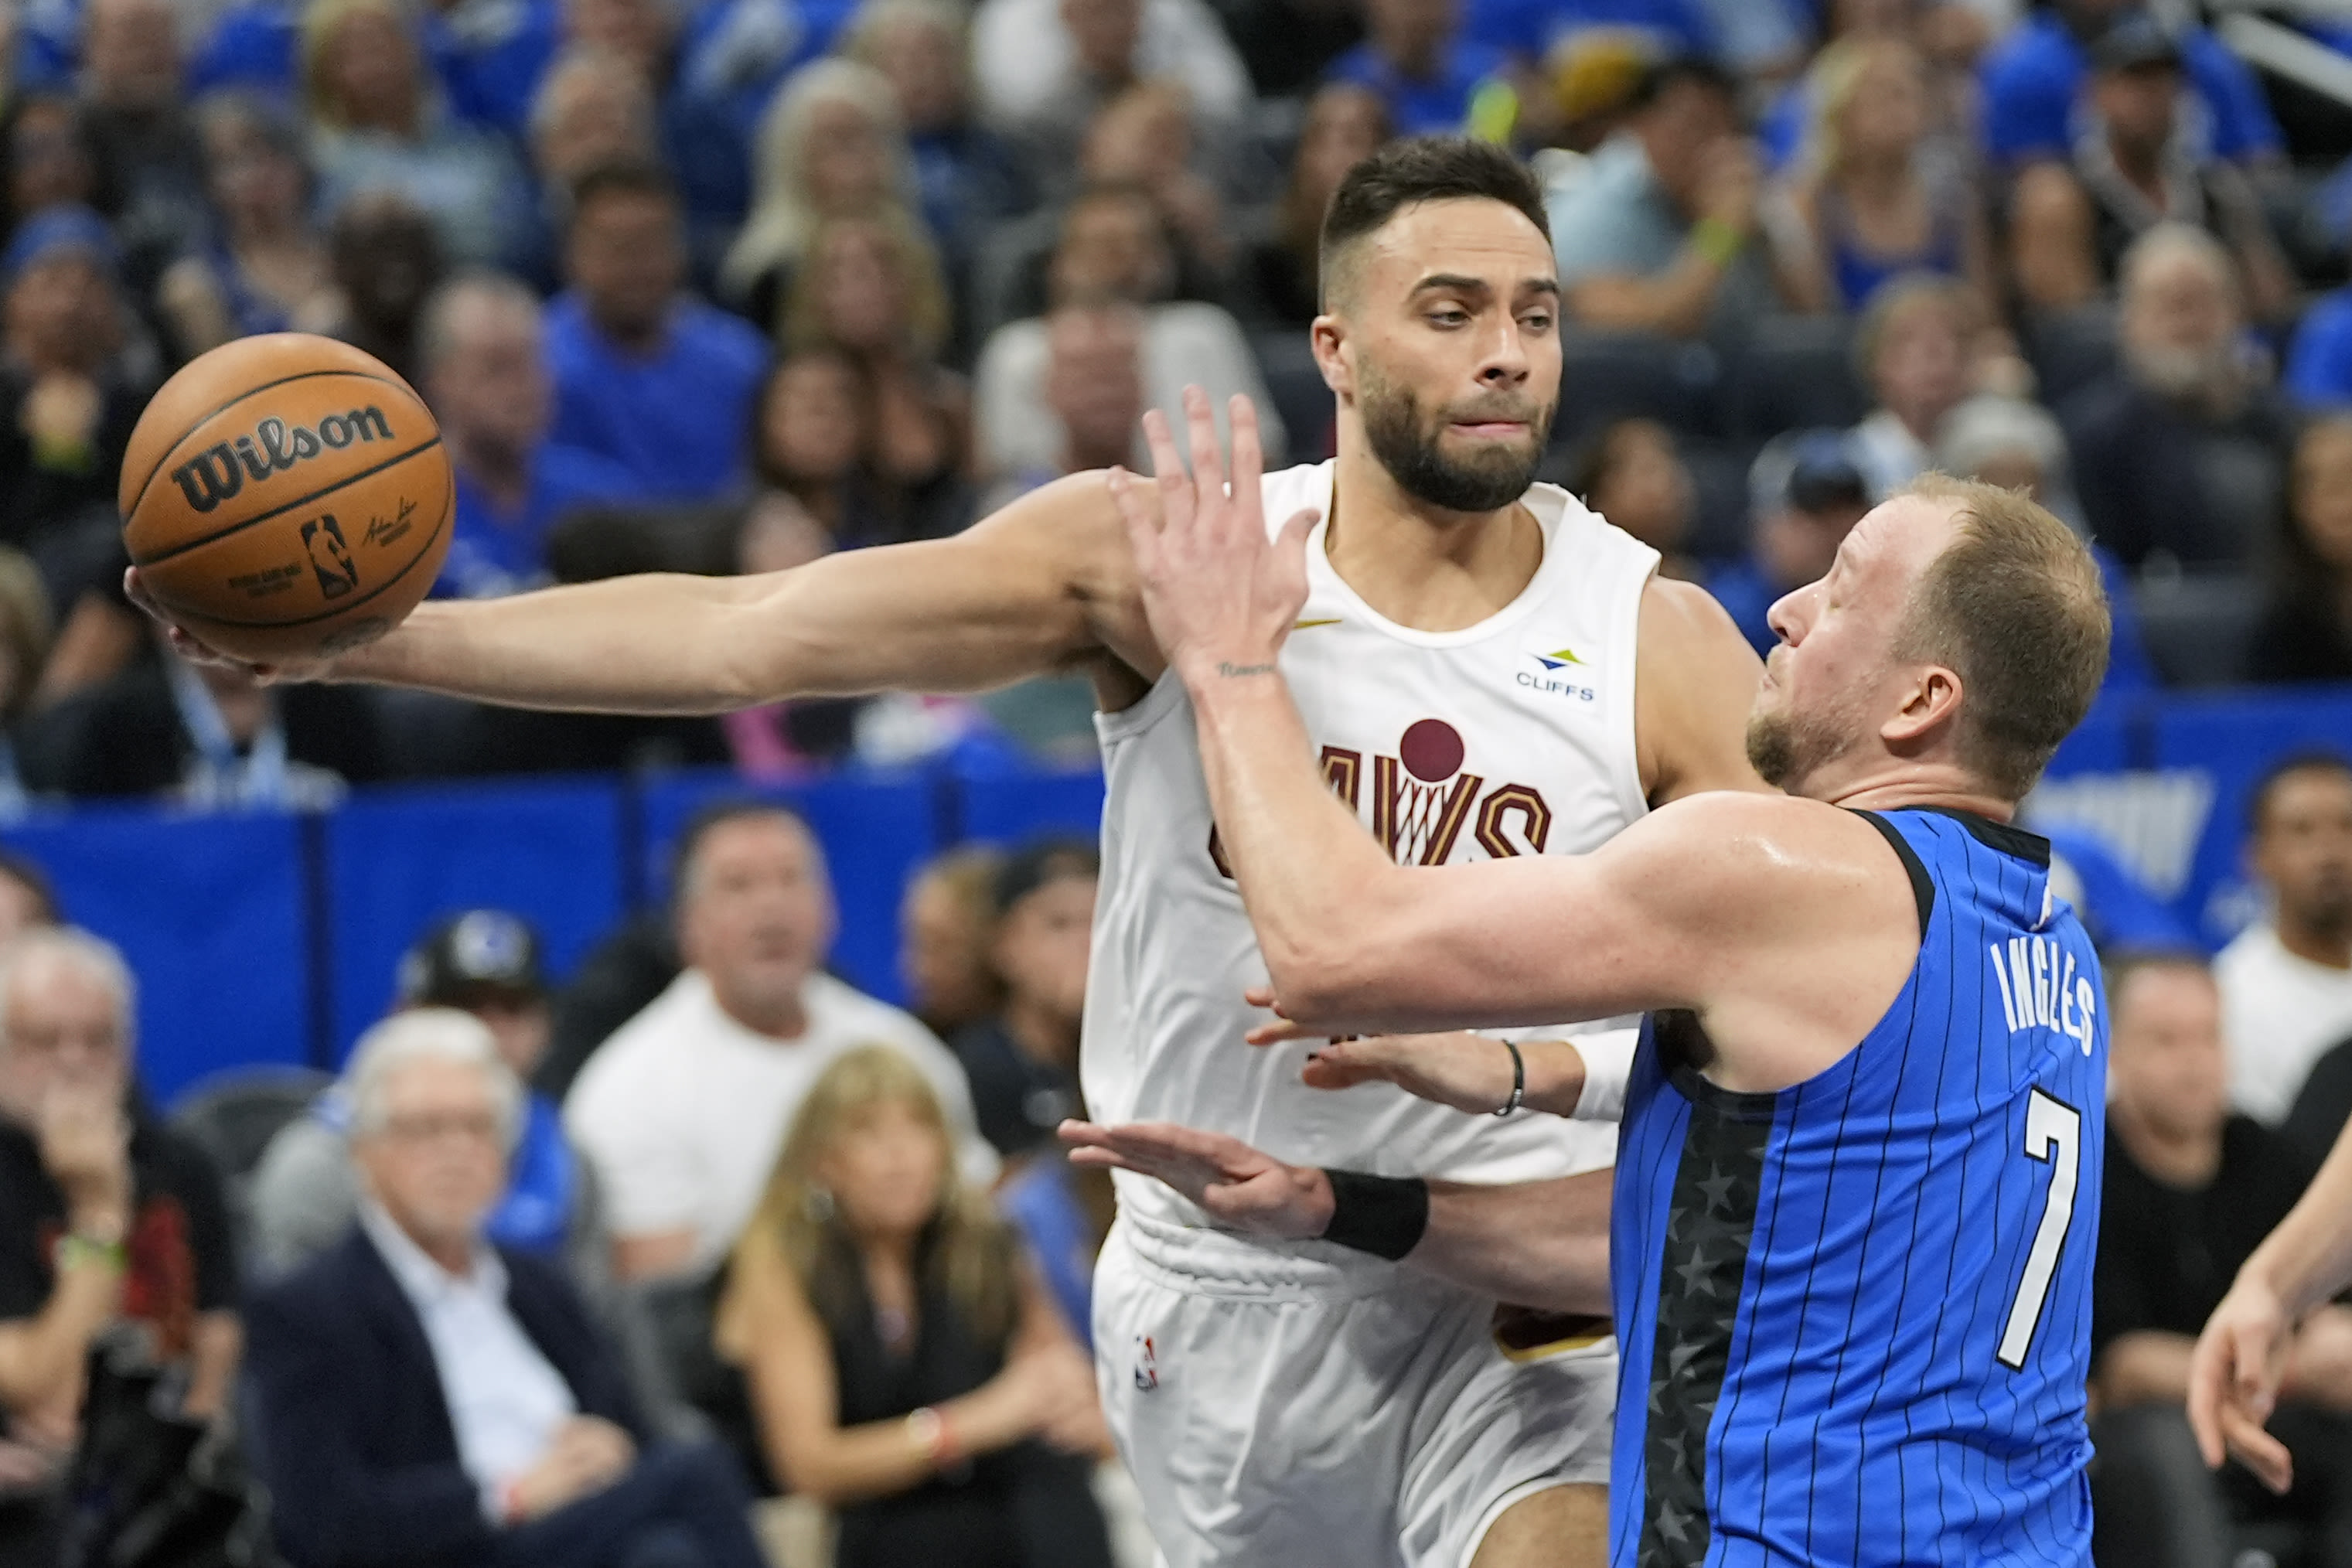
(1230, 671)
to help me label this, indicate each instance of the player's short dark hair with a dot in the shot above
(716, 814)
(1416, 169)
(2015, 607)
(623, 177)
(2315, 759)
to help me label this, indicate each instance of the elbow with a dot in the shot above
(1324, 981)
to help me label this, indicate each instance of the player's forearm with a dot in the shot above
(655, 644)
(1533, 1243)
(1314, 882)
(2308, 1258)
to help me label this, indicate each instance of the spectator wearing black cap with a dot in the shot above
(1023, 1062)
(1806, 491)
(485, 962)
(2135, 165)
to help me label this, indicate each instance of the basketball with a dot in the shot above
(286, 497)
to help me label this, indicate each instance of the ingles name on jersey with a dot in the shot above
(2039, 988)
(1422, 800)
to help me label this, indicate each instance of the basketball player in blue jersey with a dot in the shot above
(1857, 1187)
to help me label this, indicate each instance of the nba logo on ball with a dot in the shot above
(330, 558)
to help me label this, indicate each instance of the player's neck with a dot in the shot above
(1860, 783)
(1419, 565)
(2328, 946)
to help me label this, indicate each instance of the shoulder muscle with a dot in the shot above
(1696, 680)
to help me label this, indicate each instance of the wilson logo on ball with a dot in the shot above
(218, 472)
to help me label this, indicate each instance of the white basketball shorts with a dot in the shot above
(1304, 1407)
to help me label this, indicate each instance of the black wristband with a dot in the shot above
(1384, 1216)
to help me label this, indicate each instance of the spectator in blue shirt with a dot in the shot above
(2319, 363)
(1418, 62)
(484, 376)
(2033, 79)
(655, 380)
(1806, 491)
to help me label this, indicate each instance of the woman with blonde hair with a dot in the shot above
(831, 145)
(870, 288)
(1876, 194)
(379, 127)
(905, 1367)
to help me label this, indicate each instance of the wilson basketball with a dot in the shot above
(286, 497)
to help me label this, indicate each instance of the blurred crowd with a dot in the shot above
(702, 1259)
(722, 286)
(698, 1257)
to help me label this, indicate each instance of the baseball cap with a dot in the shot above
(1809, 470)
(481, 949)
(61, 228)
(1034, 864)
(2134, 41)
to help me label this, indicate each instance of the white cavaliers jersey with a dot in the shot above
(1511, 737)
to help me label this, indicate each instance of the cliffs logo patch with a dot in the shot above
(221, 469)
(1559, 673)
(330, 558)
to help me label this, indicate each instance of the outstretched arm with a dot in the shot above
(1706, 904)
(2242, 1357)
(1533, 1243)
(1046, 583)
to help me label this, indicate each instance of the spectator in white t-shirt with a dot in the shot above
(683, 1110)
(2286, 981)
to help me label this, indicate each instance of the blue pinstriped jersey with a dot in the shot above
(1855, 1315)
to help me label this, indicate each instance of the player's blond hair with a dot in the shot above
(2014, 605)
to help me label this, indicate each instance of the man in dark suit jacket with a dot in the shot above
(422, 1400)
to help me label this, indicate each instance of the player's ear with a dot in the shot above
(1930, 704)
(1329, 336)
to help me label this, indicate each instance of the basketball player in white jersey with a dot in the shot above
(1489, 669)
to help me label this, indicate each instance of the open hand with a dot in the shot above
(1237, 1186)
(1466, 1071)
(1220, 593)
(2233, 1383)
(186, 642)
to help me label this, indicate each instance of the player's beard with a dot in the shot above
(1407, 444)
(1786, 748)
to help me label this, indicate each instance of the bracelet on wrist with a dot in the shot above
(1519, 1079)
(1717, 240)
(75, 1250)
(932, 1431)
(1384, 1216)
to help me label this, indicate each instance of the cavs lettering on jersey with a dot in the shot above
(1857, 1314)
(1511, 737)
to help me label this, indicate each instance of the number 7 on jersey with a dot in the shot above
(2053, 1135)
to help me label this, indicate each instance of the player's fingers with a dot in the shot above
(1208, 462)
(1249, 459)
(1080, 1134)
(1168, 468)
(1292, 544)
(1319, 1072)
(2250, 1349)
(1264, 996)
(2206, 1374)
(2260, 1452)
(1103, 1160)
